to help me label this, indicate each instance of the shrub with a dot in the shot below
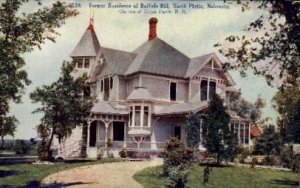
(254, 161)
(296, 163)
(21, 147)
(109, 143)
(176, 161)
(123, 153)
(100, 153)
(271, 161)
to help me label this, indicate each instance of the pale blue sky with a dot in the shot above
(193, 33)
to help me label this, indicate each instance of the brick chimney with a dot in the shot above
(152, 28)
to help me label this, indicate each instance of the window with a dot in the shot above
(177, 132)
(79, 63)
(212, 88)
(101, 85)
(137, 121)
(173, 91)
(203, 90)
(106, 89)
(87, 63)
(111, 82)
(146, 113)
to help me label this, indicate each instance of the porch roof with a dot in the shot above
(103, 107)
(183, 108)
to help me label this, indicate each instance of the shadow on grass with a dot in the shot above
(37, 184)
(215, 165)
(286, 182)
(5, 173)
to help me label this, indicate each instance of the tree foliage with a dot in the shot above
(248, 110)
(272, 42)
(216, 133)
(63, 105)
(287, 103)
(269, 143)
(193, 130)
(21, 33)
(7, 127)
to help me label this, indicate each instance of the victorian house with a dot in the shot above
(145, 96)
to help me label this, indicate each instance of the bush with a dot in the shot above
(100, 153)
(176, 161)
(123, 153)
(271, 161)
(296, 163)
(254, 161)
(21, 148)
(42, 151)
(109, 143)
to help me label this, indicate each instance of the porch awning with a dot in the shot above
(103, 107)
(183, 108)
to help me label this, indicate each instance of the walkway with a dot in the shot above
(107, 175)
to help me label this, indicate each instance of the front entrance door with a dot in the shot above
(118, 131)
(177, 132)
(93, 129)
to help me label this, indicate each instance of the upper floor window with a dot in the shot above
(87, 63)
(101, 85)
(78, 63)
(212, 88)
(203, 90)
(86, 91)
(173, 91)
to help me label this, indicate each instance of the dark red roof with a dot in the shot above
(255, 131)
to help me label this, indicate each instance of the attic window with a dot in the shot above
(86, 63)
(212, 88)
(173, 91)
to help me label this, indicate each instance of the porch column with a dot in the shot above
(239, 133)
(244, 131)
(125, 135)
(249, 130)
(88, 133)
(106, 127)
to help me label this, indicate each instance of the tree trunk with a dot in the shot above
(49, 154)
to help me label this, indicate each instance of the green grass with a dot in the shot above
(227, 177)
(23, 174)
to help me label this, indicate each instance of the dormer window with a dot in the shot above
(86, 63)
(111, 82)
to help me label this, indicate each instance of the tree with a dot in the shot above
(246, 109)
(216, 131)
(274, 42)
(193, 131)
(287, 103)
(7, 127)
(63, 106)
(21, 33)
(269, 143)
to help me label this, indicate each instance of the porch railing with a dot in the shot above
(132, 145)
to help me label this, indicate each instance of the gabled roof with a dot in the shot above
(196, 64)
(157, 57)
(88, 44)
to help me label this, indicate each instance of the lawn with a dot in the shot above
(228, 177)
(30, 175)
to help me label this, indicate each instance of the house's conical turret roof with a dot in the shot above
(88, 44)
